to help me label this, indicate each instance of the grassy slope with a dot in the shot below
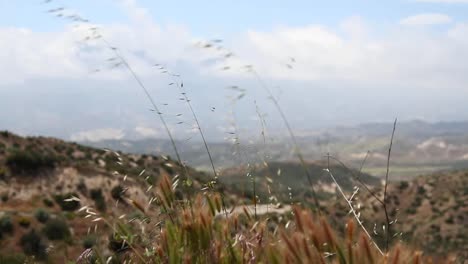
(287, 182)
(34, 170)
(75, 167)
(431, 210)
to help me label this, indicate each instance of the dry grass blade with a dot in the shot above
(291, 135)
(387, 218)
(354, 211)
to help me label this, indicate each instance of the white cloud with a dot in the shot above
(70, 54)
(426, 19)
(98, 134)
(352, 52)
(417, 58)
(147, 131)
(25, 54)
(397, 60)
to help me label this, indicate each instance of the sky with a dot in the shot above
(327, 63)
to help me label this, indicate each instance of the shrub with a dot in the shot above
(4, 134)
(2, 173)
(117, 193)
(421, 190)
(100, 202)
(47, 202)
(41, 215)
(6, 225)
(4, 197)
(69, 215)
(89, 241)
(417, 201)
(81, 187)
(32, 244)
(403, 185)
(60, 199)
(29, 161)
(56, 229)
(24, 222)
(450, 220)
(117, 244)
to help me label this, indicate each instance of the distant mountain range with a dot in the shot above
(419, 147)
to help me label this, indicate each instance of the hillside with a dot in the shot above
(38, 175)
(430, 212)
(286, 182)
(59, 199)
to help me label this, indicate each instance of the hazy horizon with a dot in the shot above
(361, 63)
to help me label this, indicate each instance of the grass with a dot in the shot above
(202, 234)
(180, 226)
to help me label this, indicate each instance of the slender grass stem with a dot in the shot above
(358, 178)
(148, 96)
(180, 86)
(387, 218)
(292, 136)
(354, 211)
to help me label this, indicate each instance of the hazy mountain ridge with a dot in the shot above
(287, 182)
(419, 147)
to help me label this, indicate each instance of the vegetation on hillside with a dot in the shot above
(157, 216)
(430, 212)
(284, 181)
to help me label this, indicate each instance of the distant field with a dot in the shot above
(404, 172)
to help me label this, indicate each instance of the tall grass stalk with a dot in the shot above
(351, 207)
(291, 135)
(180, 85)
(149, 97)
(382, 202)
(387, 218)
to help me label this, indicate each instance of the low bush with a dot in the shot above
(81, 187)
(56, 229)
(403, 185)
(33, 245)
(65, 204)
(6, 225)
(47, 202)
(24, 221)
(41, 215)
(5, 134)
(117, 193)
(3, 172)
(117, 243)
(20, 161)
(4, 197)
(89, 241)
(99, 200)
